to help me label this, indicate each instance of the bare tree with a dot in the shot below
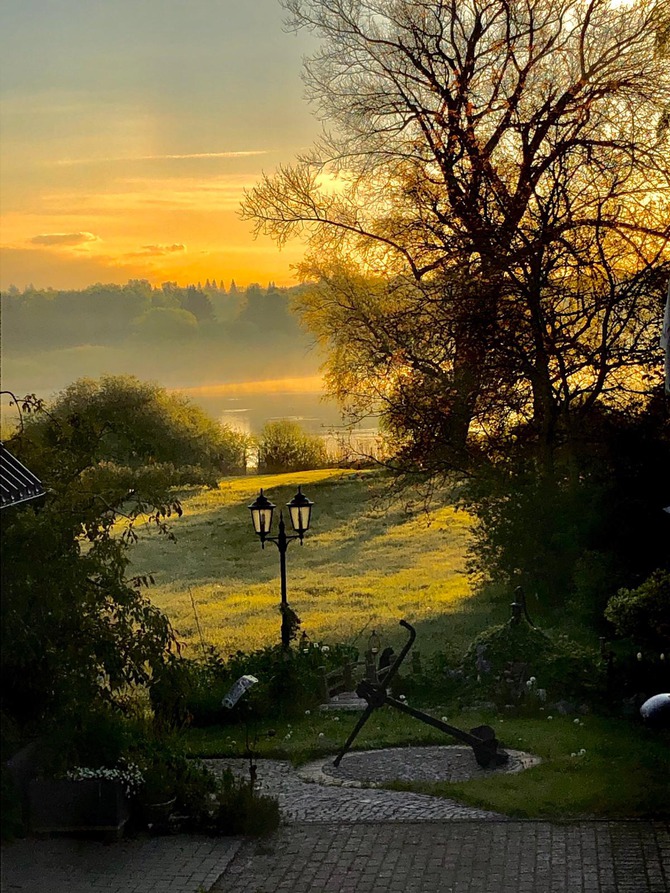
(488, 208)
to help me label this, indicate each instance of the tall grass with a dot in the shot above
(368, 561)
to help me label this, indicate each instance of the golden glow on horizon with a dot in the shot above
(312, 384)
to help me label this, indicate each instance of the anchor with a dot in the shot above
(481, 739)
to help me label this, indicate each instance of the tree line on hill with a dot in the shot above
(139, 313)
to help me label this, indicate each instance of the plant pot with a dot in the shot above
(157, 813)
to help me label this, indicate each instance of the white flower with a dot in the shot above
(286, 737)
(550, 717)
(573, 754)
(325, 649)
(308, 712)
(582, 752)
(320, 734)
(576, 722)
(444, 719)
(336, 719)
(129, 774)
(402, 698)
(532, 680)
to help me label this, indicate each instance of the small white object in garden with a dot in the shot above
(320, 734)
(444, 719)
(576, 722)
(336, 719)
(286, 737)
(573, 754)
(325, 649)
(308, 712)
(550, 717)
(402, 698)
(582, 752)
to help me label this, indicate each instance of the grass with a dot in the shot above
(367, 562)
(621, 773)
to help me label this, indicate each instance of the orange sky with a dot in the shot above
(130, 132)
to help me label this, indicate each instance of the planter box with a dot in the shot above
(84, 805)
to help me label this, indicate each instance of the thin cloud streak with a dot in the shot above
(167, 157)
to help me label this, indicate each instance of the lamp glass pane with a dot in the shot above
(300, 517)
(262, 520)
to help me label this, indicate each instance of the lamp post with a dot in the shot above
(300, 512)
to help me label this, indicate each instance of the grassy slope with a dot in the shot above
(369, 562)
(365, 563)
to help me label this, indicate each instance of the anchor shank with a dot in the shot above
(437, 723)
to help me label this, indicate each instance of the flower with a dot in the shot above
(336, 719)
(325, 649)
(550, 717)
(129, 774)
(308, 712)
(320, 734)
(444, 719)
(576, 721)
(402, 698)
(582, 752)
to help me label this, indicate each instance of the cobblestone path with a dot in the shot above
(455, 857)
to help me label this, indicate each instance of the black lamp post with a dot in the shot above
(300, 512)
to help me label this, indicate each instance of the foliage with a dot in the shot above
(574, 537)
(132, 423)
(486, 213)
(190, 691)
(240, 810)
(76, 631)
(643, 614)
(283, 446)
(510, 662)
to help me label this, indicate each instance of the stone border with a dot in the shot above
(314, 772)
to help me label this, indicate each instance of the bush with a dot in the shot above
(283, 446)
(240, 810)
(510, 662)
(643, 614)
(191, 691)
(576, 535)
(135, 424)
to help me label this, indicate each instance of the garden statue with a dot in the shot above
(482, 739)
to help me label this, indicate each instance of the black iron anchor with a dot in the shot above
(481, 739)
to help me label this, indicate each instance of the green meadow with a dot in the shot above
(369, 560)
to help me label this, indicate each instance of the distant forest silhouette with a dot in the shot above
(178, 335)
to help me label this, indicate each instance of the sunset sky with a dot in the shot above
(129, 131)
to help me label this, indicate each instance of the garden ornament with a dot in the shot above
(242, 685)
(655, 711)
(481, 739)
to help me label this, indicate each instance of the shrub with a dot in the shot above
(240, 810)
(191, 691)
(283, 446)
(643, 614)
(510, 662)
(134, 423)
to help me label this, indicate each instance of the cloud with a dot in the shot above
(159, 250)
(67, 239)
(247, 153)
